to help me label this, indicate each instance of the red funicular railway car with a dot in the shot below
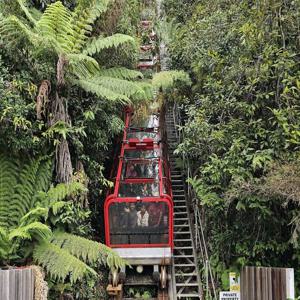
(139, 211)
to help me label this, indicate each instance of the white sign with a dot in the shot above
(229, 296)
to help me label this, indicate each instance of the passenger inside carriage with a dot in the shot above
(139, 223)
(143, 217)
(155, 214)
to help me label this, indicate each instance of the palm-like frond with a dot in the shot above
(83, 66)
(34, 214)
(12, 29)
(124, 87)
(27, 12)
(32, 230)
(167, 79)
(8, 180)
(54, 25)
(102, 91)
(85, 14)
(61, 191)
(121, 73)
(59, 263)
(87, 250)
(98, 44)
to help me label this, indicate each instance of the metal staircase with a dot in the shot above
(185, 273)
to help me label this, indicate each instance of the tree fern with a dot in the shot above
(87, 250)
(55, 26)
(83, 65)
(30, 231)
(25, 204)
(66, 255)
(8, 181)
(121, 73)
(167, 79)
(123, 87)
(27, 12)
(12, 29)
(98, 44)
(102, 91)
(67, 35)
(84, 16)
(59, 263)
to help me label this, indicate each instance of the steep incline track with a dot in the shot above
(185, 273)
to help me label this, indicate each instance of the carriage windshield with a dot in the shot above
(139, 222)
(143, 134)
(144, 121)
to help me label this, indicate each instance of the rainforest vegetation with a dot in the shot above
(242, 126)
(67, 70)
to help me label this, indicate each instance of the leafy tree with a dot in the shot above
(28, 207)
(241, 125)
(63, 36)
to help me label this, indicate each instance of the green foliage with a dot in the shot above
(167, 79)
(101, 43)
(66, 34)
(241, 120)
(28, 206)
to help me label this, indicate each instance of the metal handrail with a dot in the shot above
(200, 241)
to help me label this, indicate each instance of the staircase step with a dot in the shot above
(185, 274)
(187, 284)
(182, 232)
(184, 265)
(183, 248)
(180, 296)
(183, 256)
(182, 240)
(181, 219)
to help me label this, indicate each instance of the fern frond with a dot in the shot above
(43, 175)
(3, 232)
(83, 66)
(87, 250)
(62, 190)
(27, 12)
(102, 91)
(168, 79)
(128, 88)
(34, 215)
(55, 25)
(85, 14)
(121, 73)
(8, 181)
(12, 30)
(100, 43)
(24, 190)
(57, 206)
(59, 263)
(148, 90)
(30, 231)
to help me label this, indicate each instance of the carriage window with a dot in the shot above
(139, 223)
(134, 154)
(143, 135)
(145, 121)
(140, 169)
(139, 189)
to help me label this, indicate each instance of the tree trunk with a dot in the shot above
(59, 113)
